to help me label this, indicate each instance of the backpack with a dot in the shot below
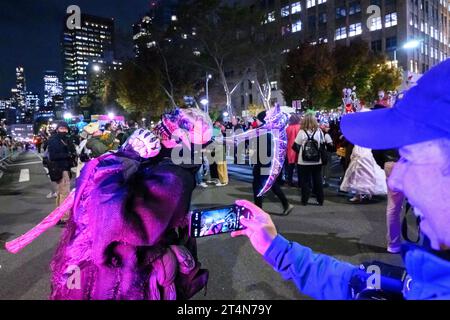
(127, 238)
(311, 151)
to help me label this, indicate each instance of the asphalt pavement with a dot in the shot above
(354, 233)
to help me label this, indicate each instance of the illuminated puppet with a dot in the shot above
(276, 122)
(127, 238)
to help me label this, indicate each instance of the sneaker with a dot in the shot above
(203, 185)
(288, 210)
(394, 250)
(220, 184)
(52, 195)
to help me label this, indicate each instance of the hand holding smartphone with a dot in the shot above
(214, 221)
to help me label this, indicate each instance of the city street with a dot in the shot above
(354, 233)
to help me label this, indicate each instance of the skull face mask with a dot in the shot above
(189, 126)
(144, 143)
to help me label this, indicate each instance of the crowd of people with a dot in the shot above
(413, 163)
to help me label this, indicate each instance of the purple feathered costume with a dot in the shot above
(128, 234)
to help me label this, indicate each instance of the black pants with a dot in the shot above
(258, 183)
(290, 173)
(213, 171)
(308, 175)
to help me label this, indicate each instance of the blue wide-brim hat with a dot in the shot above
(423, 114)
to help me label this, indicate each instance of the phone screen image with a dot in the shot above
(209, 222)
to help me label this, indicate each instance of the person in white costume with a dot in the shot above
(364, 177)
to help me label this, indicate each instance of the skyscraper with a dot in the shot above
(18, 93)
(52, 87)
(159, 18)
(93, 40)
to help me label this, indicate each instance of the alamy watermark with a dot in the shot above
(375, 14)
(74, 19)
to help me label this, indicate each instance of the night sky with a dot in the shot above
(30, 34)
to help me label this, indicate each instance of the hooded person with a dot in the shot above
(62, 158)
(264, 156)
(422, 174)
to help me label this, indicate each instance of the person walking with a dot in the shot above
(326, 168)
(61, 153)
(308, 143)
(220, 156)
(292, 157)
(261, 168)
(387, 159)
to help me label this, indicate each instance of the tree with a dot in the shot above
(365, 70)
(101, 92)
(387, 77)
(138, 91)
(319, 75)
(220, 34)
(308, 74)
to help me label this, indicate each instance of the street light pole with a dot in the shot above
(208, 77)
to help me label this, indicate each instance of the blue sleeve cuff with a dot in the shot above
(278, 247)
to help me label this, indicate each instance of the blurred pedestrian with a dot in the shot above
(261, 169)
(62, 156)
(292, 157)
(308, 142)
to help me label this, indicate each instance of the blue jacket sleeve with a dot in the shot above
(318, 276)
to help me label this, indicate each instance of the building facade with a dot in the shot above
(386, 25)
(52, 87)
(159, 17)
(93, 40)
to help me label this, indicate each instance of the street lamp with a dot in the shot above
(111, 116)
(206, 105)
(411, 44)
(96, 68)
(204, 102)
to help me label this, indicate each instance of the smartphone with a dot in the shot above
(209, 222)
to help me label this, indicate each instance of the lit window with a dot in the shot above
(274, 85)
(376, 24)
(310, 3)
(174, 18)
(391, 19)
(341, 33)
(271, 16)
(341, 12)
(321, 1)
(285, 11)
(297, 26)
(355, 29)
(354, 8)
(296, 7)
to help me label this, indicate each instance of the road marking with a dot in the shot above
(24, 175)
(24, 164)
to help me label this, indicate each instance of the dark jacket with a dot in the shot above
(61, 152)
(383, 156)
(97, 147)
